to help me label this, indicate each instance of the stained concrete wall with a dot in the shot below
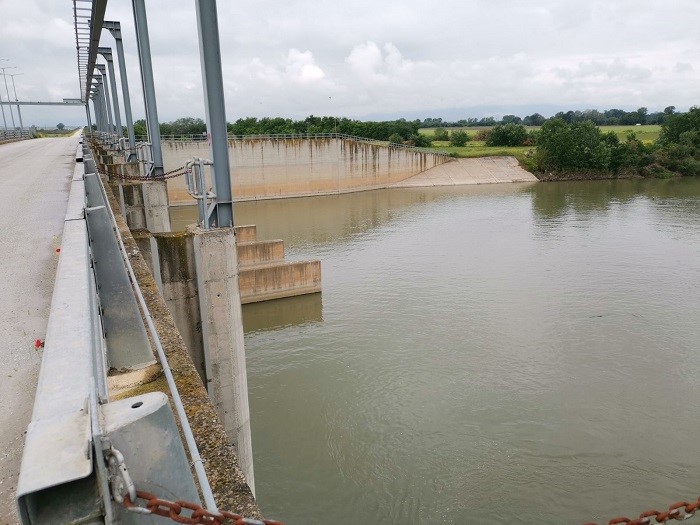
(266, 168)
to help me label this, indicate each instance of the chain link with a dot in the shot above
(177, 172)
(198, 514)
(679, 511)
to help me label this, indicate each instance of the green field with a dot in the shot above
(477, 148)
(647, 134)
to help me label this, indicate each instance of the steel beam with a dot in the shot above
(149, 92)
(115, 29)
(103, 74)
(106, 52)
(32, 103)
(87, 114)
(215, 110)
(96, 19)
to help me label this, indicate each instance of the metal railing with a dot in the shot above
(14, 134)
(300, 136)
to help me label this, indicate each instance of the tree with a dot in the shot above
(677, 124)
(507, 135)
(395, 138)
(534, 120)
(511, 119)
(441, 134)
(458, 138)
(60, 126)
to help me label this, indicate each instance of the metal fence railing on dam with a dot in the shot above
(199, 137)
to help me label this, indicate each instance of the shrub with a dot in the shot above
(507, 135)
(441, 134)
(421, 141)
(395, 138)
(458, 138)
(482, 135)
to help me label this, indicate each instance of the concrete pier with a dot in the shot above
(34, 181)
(222, 335)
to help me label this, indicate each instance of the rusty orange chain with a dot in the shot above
(679, 511)
(167, 175)
(198, 514)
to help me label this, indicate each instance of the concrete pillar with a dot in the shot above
(222, 334)
(155, 203)
(174, 262)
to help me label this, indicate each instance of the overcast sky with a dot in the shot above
(362, 59)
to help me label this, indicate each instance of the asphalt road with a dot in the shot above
(34, 184)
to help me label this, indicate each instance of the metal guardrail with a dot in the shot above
(83, 454)
(14, 134)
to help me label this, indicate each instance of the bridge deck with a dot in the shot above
(34, 183)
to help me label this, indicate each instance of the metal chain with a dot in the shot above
(177, 172)
(679, 511)
(198, 514)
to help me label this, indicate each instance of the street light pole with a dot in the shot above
(14, 88)
(4, 75)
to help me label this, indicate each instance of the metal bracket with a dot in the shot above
(195, 179)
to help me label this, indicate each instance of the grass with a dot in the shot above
(524, 154)
(475, 149)
(648, 133)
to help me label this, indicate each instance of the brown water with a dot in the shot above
(491, 354)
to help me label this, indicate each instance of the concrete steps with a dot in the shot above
(263, 274)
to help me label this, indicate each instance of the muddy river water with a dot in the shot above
(492, 354)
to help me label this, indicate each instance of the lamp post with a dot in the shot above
(14, 88)
(4, 75)
(2, 108)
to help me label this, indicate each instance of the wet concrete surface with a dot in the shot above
(34, 183)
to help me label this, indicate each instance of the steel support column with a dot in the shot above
(87, 114)
(106, 52)
(215, 110)
(149, 92)
(103, 74)
(103, 105)
(115, 29)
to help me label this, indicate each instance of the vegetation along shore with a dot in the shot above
(568, 146)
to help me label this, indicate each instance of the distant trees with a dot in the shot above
(577, 146)
(60, 126)
(534, 120)
(377, 130)
(609, 117)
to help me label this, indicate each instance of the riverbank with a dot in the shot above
(585, 175)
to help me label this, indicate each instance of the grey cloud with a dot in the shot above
(370, 57)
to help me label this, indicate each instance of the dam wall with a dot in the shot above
(272, 167)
